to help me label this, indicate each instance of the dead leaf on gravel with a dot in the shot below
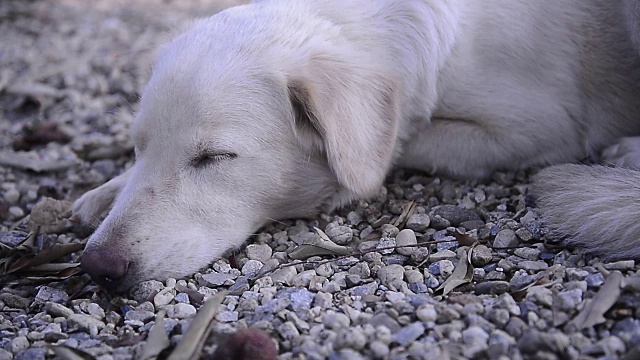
(463, 238)
(28, 160)
(544, 281)
(318, 246)
(25, 264)
(462, 274)
(593, 313)
(408, 209)
(40, 134)
(157, 340)
(67, 353)
(194, 339)
(28, 262)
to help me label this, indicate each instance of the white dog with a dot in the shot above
(598, 207)
(281, 109)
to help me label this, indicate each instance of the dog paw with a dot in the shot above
(626, 153)
(92, 207)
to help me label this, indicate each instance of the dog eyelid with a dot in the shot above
(208, 158)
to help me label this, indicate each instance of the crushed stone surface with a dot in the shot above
(73, 68)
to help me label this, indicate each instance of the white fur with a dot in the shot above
(595, 207)
(320, 98)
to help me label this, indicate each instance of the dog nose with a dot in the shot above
(105, 266)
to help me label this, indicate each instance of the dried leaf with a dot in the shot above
(408, 209)
(320, 245)
(593, 313)
(322, 234)
(462, 274)
(45, 256)
(157, 340)
(26, 246)
(51, 268)
(195, 337)
(463, 238)
(40, 134)
(63, 352)
(29, 243)
(48, 278)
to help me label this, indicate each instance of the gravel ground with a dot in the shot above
(487, 283)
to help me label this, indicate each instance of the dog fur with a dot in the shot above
(596, 207)
(283, 109)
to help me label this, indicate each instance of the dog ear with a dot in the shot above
(349, 113)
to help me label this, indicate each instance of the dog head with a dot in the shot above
(249, 116)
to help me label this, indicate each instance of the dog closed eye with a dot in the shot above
(206, 159)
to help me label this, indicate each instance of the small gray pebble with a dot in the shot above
(620, 265)
(418, 222)
(18, 344)
(227, 316)
(84, 322)
(534, 266)
(481, 256)
(527, 253)
(339, 234)
(259, 252)
(569, 300)
(334, 320)
(475, 340)
(595, 280)
(143, 290)
(252, 267)
(15, 212)
(505, 239)
(386, 243)
(15, 301)
(404, 238)
(390, 273)
(445, 254)
(214, 279)
(56, 309)
(446, 268)
(12, 196)
(455, 214)
(182, 298)
(181, 311)
(427, 313)
(491, 287)
(408, 334)
(139, 315)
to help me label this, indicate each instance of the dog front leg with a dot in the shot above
(474, 149)
(92, 207)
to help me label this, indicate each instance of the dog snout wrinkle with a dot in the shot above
(105, 266)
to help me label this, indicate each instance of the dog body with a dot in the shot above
(282, 109)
